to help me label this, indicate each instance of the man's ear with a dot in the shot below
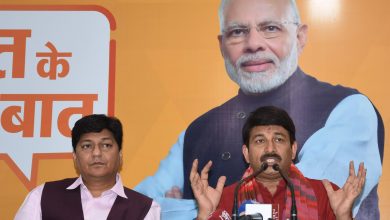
(220, 39)
(302, 37)
(120, 160)
(75, 163)
(245, 152)
(294, 150)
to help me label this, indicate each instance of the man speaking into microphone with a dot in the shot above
(269, 144)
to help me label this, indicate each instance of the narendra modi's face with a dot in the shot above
(260, 43)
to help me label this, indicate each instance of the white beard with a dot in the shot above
(258, 82)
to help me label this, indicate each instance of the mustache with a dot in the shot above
(97, 162)
(272, 155)
(257, 56)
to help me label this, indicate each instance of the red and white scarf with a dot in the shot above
(305, 197)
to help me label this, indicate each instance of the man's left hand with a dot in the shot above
(342, 200)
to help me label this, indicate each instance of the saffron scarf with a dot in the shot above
(305, 197)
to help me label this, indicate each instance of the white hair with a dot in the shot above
(224, 3)
(259, 82)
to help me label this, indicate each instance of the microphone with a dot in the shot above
(263, 167)
(294, 212)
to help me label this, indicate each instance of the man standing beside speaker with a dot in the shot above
(269, 144)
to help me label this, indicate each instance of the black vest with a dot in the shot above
(217, 135)
(58, 203)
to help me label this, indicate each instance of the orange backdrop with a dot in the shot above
(169, 71)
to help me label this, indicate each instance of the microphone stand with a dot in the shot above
(263, 167)
(294, 212)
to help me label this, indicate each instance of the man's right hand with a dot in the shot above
(207, 197)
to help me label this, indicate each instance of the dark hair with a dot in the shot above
(268, 115)
(96, 123)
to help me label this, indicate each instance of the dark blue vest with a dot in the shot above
(217, 134)
(58, 203)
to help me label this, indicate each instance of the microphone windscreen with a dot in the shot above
(276, 167)
(242, 208)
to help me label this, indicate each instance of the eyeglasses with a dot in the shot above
(237, 33)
